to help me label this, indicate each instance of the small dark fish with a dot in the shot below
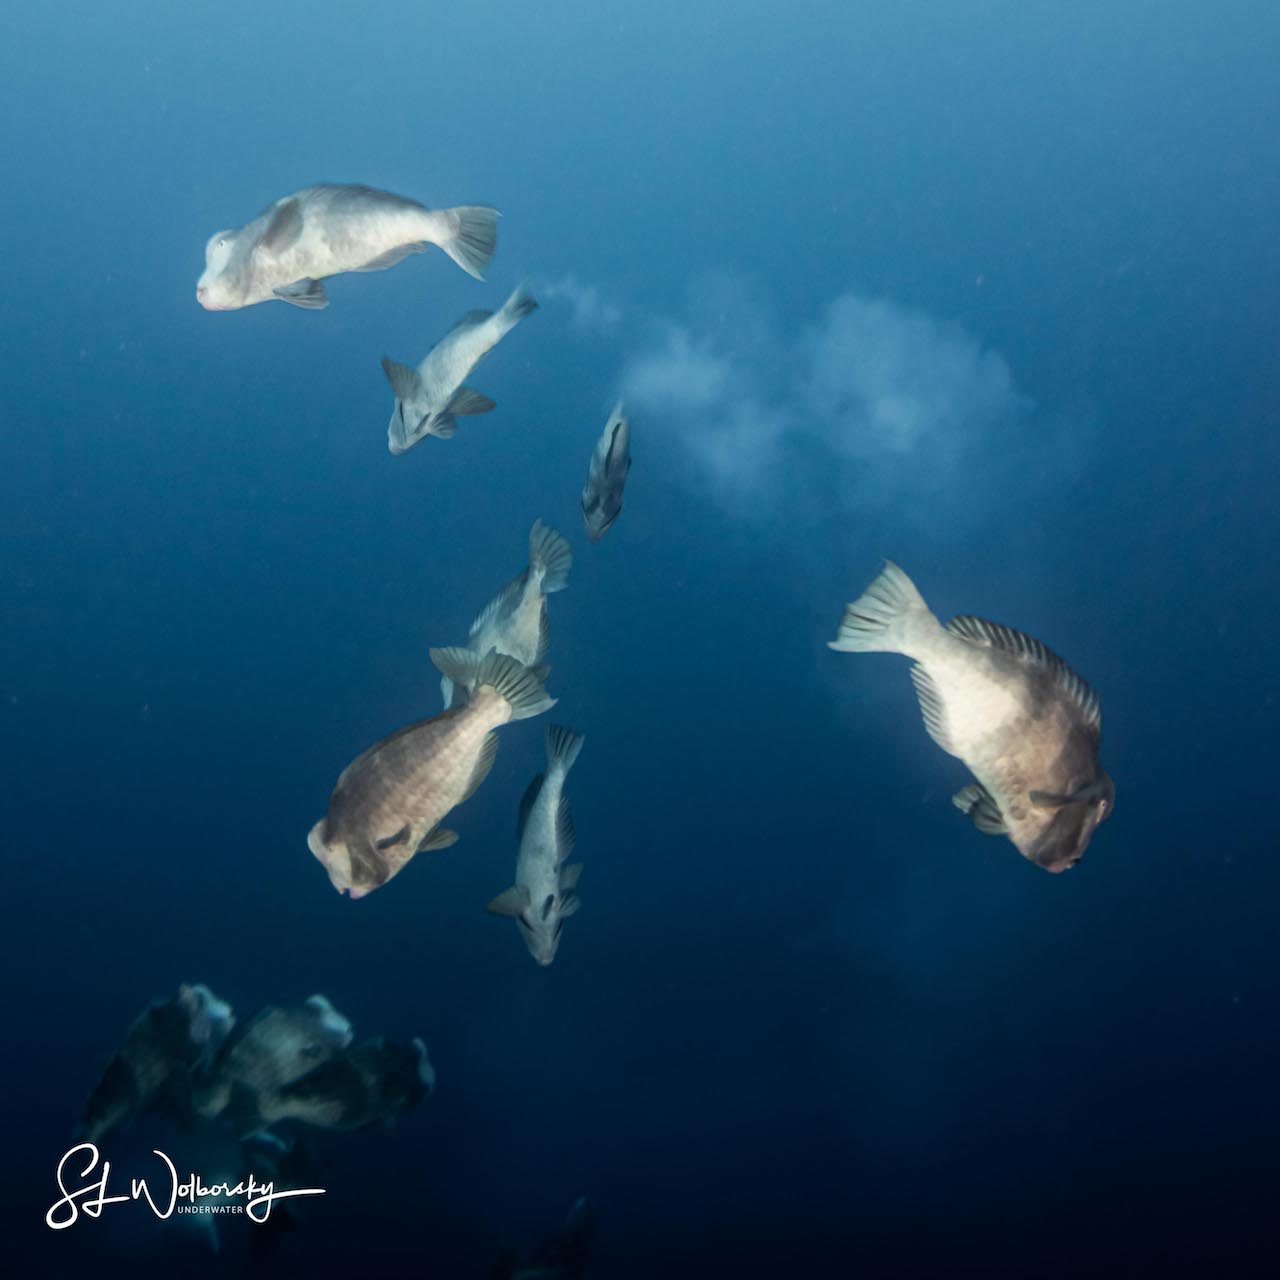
(606, 476)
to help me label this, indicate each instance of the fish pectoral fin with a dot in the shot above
(978, 803)
(511, 902)
(570, 874)
(445, 427)
(306, 293)
(569, 904)
(284, 228)
(437, 838)
(467, 400)
(405, 382)
(392, 256)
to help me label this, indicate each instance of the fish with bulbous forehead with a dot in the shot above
(1026, 725)
(277, 1045)
(166, 1048)
(300, 240)
(371, 1083)
(388, 803)
(606, 476)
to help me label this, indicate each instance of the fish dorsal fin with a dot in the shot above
(467, 400)
(977, 802)
(484, 762)
(307, 293)
(570, 874)
(932, 708)
(511, 902)
(527, 802)
(284, 228)
(507, 598)
(392, 256)
(1033, 652)
(564, 828)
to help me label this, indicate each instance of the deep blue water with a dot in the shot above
(988, 288)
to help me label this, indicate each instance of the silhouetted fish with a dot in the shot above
(277, 1045)
(372, 1083)
(168, 1042)
(606, 476)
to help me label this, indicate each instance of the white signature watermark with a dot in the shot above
(90, 1198)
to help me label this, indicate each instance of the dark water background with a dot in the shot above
(808, 1021)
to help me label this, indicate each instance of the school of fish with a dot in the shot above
(1026, 726)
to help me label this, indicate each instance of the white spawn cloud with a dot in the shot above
(589, 309)
(874, 401)
(714, 401)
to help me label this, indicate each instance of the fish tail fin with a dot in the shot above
(521, 303)
(517, 684)
(471, 236)
(563, 746)
(550, 555)
(889, 617)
